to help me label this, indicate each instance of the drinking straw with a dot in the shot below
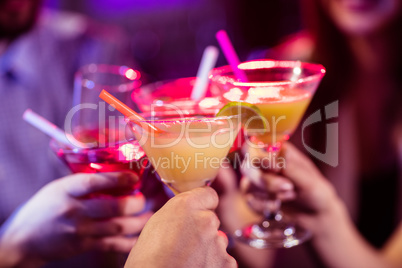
(208, 62)
(51, 130)
(125, 110)
(230, 54)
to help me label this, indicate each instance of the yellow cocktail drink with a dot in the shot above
(188, 152)
(276, 94)
(282, 112)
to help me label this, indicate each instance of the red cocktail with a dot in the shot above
(108, 156)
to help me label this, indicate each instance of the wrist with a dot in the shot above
(11, 258)
(340, 244)
(14, 254)
(332, 220)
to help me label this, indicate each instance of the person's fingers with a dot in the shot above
(272, 183)
(115, 226)
(314, 191)
(299, 168)
(203, 198)
(258, 158)
(287, 196)
(208, 220)
(122, 244)
(222, 244)
(133, 225)
(226, 182)
(246, 186)
(230, 262)
(276, 183)
(82, 184)
(222, 239)
(253, 174)
(113, 207)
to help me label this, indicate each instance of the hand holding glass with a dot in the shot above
(281, 92)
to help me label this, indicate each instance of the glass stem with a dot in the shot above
(272, 208)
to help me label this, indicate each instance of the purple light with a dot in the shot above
(123, 6)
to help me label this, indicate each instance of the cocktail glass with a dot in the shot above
(89, 114)
(281, 90)
(173, 95)
(110, 145)
(124, 156)
(186, 151)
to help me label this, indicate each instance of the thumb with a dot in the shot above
(205, 198)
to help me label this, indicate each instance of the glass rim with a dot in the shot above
(166, 81)
(185, 119)
(152, 88)
(56, 145)
(217, 73)
(133, 81)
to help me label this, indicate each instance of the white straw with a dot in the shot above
(51, 129)
(208, 62)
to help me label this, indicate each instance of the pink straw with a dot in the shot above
(230, 54)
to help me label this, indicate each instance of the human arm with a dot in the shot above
(234, 213)
(313, 203)
(60, 220)
(393, 248)
(183, 233)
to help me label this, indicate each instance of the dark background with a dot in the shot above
(168, 36)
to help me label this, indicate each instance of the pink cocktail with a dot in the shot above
(106, 157)
(173, 95)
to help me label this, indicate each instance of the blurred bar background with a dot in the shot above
(168, 36)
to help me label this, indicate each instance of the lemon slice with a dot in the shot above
(251, 116)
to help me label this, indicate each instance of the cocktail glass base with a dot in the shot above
(179, 187)
(273, 233)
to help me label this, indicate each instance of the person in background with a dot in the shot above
(311, 200)
(358, 42)
(40, 50)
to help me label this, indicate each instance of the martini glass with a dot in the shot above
(173, 94)
(110, 145)
(281, 90)
(91, 118)
(186, 151)
(124, 156)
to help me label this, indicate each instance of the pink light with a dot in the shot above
(95, 166)
(132, 74)
(131, 151)
(257, 65)
(209, 102)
